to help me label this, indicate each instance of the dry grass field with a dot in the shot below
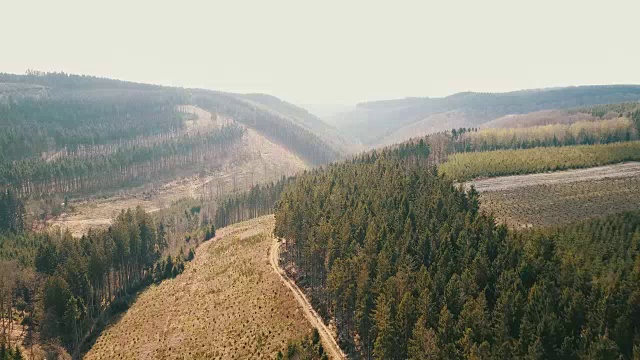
(558, 203)
(228, 304)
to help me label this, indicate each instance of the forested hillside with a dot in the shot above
(465, 153)
(258, 201)
(302, 117)
(73, 111)
(409, 268)
(76, 134)
(276, 127)
(134, 165)
(382, 122)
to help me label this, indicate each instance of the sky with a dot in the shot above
(329, 52)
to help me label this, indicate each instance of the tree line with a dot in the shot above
(578, 133)
(261, 199)
(604, 110)
(258, 201)
(69, 175)
(467, 166)
(408, 267)
(298, 139)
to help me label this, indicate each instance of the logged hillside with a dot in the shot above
(252, 160)
(82, 148)
(271, 123)
(228, 303)
(68, 133)
(408, 267)
(386, 122)
(55, 290)
(562, 197)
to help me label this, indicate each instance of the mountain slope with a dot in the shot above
(64, 133)
(42, 112)
(383, 122)
(302, 117)
(268, 122)
(408, 267)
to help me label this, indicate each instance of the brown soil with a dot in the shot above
(542, 200)
(629, 169)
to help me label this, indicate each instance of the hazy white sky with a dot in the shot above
(329, 51)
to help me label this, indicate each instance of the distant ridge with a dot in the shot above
(290, 126)
(382, 122)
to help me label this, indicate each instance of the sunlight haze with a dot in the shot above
(329, 52)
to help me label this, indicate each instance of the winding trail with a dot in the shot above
(328, 340)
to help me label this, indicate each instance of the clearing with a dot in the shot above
(258, 160)
(559, 198)
(628, 169)
(228, 304)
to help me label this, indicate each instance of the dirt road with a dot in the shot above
(623, 170)
(328, 340)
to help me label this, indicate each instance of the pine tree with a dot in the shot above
(423, 343)
(446, 334)
(385, 346)
(405, 320)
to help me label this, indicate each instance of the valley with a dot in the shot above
(205, 224)
(329, 180)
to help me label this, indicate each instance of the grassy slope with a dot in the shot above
(227, 304)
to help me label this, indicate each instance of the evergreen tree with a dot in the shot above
(386, 340)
